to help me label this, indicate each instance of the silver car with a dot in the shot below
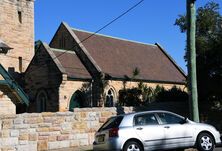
(154, 130)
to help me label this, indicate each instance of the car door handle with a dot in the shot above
(139, 128)
(166, 127)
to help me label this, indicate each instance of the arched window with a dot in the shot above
(41, 98)
(76, 100)
(110, 98)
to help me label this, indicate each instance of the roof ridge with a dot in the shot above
(62, 50)
(113, 37)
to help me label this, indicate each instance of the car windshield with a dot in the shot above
(112, 122)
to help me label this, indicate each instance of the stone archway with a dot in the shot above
(76, 100)
(41, 99)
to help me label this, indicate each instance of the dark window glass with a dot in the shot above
(167, 118)
(145, 119)
(20, 64)
(113, 122)
(20, 16)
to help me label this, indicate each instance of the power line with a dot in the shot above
(106, 25)
(109, 23)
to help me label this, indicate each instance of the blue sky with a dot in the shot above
(150, 22)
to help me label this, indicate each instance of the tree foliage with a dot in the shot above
(143, 95)
(208, 50)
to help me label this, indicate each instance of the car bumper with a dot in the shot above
(219, 144)
(113, 144)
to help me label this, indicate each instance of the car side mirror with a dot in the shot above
(185, 120)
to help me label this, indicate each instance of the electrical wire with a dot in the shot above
(103, 27)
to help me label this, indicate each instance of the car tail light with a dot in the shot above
(113, 132)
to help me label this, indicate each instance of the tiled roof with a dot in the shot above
(118, 58)
(71, 63)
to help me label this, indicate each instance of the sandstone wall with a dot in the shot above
(6, 105)
(66, 90)
(44, 131)
(31, 132)
(19, 36)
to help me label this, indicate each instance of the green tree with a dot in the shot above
(208, 49)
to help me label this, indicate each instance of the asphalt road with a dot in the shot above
(218, 149)
(89, 148)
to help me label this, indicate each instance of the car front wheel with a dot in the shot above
(205, 142)
(132, 146)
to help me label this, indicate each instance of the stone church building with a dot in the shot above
(77, 68)
(77, 60)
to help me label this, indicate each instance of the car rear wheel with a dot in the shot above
(132, 146)
(205, 142)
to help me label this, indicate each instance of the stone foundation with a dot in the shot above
(48, 130)
(44, 131)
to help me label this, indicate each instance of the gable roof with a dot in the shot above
(71, 64)
(68, 63)
(118, 58)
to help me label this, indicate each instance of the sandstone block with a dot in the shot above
(59, 120)
(74, 143)
(60, 144)
(102, 120)
(7, 148)
(23, 142)
(83, 142)
(52, 138)
(28, 147)
(106, 114)
(48, 114)
(81, 136)
(21, 126)
(33, 137)
(44, 129)
(12, 141)
(66, 126)
(18, 121)
(54, 129)
(83, 115)
(48, 119)
(62, 137)
(6, 124)
(24, 136)
(42, 145)
(45, 125)
(33, 120)
(14, 133)
(4, 133)
(43, 137)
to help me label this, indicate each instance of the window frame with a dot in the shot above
(154, 114)
(175, 115)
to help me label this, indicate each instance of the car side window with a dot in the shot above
(145, 119)
(167, 118)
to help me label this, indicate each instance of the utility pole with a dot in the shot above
(191, 48)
